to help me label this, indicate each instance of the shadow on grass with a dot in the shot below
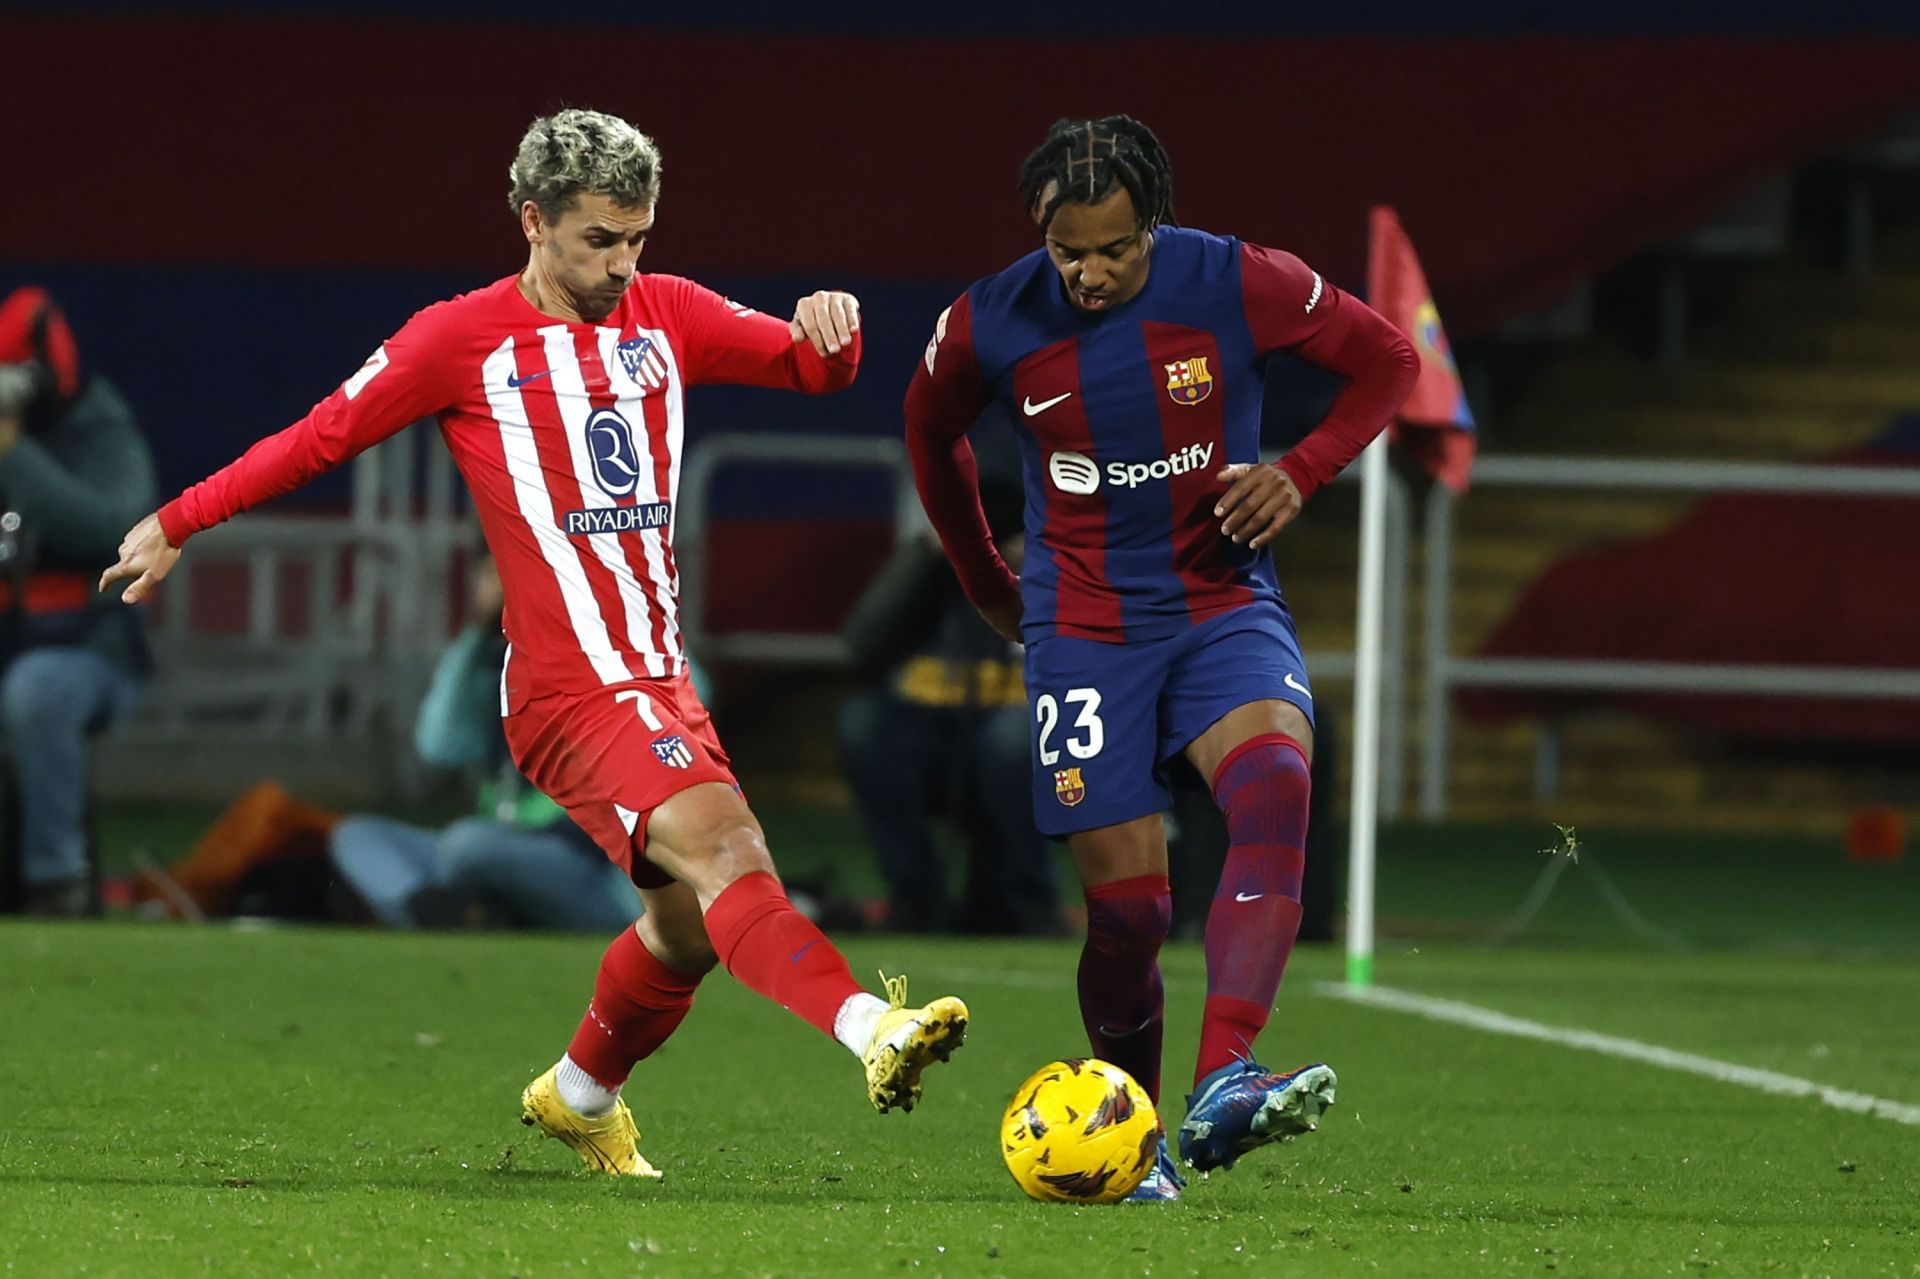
(721, 1188)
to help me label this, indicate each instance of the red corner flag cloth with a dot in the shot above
(1435, 426)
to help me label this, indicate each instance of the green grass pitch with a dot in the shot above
(195, 1101)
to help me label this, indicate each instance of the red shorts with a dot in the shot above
(613, 755)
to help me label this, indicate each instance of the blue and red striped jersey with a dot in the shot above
(1125, 418)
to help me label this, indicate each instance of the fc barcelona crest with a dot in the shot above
(1068, 788)
(1189, 381)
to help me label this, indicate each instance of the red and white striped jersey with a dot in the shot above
(570, 437)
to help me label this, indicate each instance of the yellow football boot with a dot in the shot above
(905, 1040)
(607, 1143)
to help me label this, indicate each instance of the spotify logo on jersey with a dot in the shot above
(1073, 473)
(1078, 473)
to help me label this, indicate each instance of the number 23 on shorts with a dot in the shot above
(1084, 738)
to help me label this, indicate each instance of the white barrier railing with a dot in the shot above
(705, 460)
(293, 686)
(341, 621)
(1445, 672)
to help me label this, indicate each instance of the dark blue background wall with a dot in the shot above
(236, 202)
(1021, 17)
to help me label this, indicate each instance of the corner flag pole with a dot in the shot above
(1364, 821)
(1397, 289)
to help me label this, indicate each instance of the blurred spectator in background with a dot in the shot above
(74, 473)
(520, 861)
(944, 732)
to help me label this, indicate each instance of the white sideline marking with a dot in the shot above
(1498, 1023)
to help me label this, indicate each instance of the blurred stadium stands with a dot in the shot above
(1652, 235)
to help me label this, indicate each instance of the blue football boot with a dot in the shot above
(1162, 1183)
(1243, 1105)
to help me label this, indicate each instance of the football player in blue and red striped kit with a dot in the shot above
(1130, 352)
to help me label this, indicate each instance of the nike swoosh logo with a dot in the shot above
(516, 381)
(1248, 897)
(1298, 687)
(1111, 1032)
(1030, 408)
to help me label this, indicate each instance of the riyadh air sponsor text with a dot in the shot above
(618, 519)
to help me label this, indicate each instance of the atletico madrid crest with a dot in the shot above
(641, 360)
(673, 752)
(1068, 788)
(1189, 381)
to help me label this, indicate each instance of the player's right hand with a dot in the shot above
(146, 556)
(1260, 501)
(1004, 618)
(826, 319)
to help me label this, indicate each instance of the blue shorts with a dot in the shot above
(1107, 717)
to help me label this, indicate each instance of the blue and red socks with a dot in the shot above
(1122, 999)
(1262, 788)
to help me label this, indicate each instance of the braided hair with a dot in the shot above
(1082, 161)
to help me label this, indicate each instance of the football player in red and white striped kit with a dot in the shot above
(559, 392)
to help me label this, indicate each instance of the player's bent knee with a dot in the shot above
(734, 852)
(1268, 761)
(1292, 723)
(1263, 787)
(1251, 722)
(678, 941)
(706, 838)
(1140, 928)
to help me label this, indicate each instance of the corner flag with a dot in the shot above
(1435, 426)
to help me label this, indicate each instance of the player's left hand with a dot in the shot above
(827, 319)
(1260, 501)
(146, 556)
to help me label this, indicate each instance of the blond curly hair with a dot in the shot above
(575, 152)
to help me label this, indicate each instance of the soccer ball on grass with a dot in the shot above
(1080, 1131)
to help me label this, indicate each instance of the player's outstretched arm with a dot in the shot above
(817, 352)
(146, 556)
(406, 378)
(943, 402)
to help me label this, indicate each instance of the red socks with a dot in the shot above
(637, 1002)
(1262, 788)
(768, 945)
(774, 950)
